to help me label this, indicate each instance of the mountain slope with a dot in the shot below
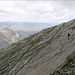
(41, 53)
(8, 36)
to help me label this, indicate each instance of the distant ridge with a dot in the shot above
(8, 36)
(26, 26)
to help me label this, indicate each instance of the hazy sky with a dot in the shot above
(37, 11)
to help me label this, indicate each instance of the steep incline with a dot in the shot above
(41, 53)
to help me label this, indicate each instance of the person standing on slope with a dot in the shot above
(68, 36)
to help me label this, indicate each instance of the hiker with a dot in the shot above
(68, 36)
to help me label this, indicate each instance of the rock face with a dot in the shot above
(67, 69)
(8, 36)
(41, 53)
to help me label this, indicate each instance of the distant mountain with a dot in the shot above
(48, 52)
(8, 36)
(26, 26)
(27, 33)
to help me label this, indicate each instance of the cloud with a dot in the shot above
(37, 11)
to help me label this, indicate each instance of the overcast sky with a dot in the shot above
(37, 11)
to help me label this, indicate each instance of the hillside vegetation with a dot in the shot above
(8, 36)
